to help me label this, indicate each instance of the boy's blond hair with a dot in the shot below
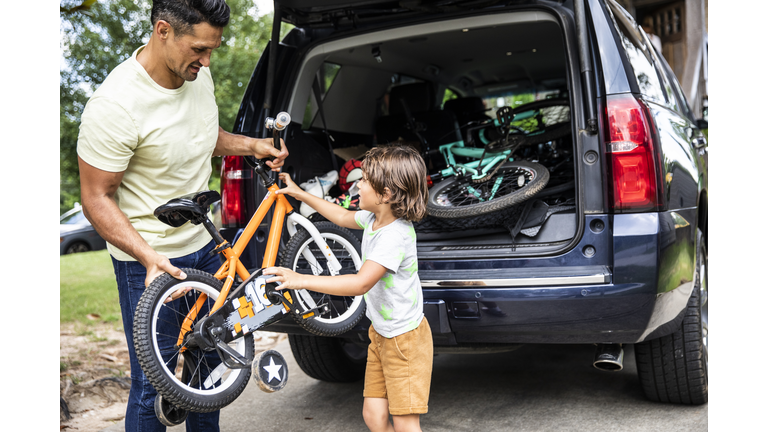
(402, 170)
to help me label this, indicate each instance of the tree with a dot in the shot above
(94, 43)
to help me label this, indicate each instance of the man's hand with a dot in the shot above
(264, 147)
(230, 144)
(159, 265)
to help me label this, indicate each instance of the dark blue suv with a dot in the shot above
(610, 250)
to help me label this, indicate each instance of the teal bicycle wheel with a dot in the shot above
(513, 183)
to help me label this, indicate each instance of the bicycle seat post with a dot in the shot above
(259, 168)
(211, 228)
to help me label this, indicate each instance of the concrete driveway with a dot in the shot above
(535, 388)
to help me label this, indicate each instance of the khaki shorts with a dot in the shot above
(399, 369)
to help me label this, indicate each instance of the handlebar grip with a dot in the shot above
(280, 122)
(277, 124)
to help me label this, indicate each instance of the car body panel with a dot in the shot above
(623, 278)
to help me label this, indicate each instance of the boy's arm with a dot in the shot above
(333, 212)
(342, 285)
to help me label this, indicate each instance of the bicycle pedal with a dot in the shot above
(270, 369)
(312, 313)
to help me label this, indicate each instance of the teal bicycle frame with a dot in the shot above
(448, 151)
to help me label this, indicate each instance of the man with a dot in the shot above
(147, 135)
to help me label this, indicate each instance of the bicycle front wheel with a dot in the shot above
(512, 184)
(187, 376)
(344, 312)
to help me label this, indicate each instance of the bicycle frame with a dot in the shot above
(232, 265)
(475, 168)
(457, 148)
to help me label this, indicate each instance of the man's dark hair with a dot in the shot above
(183, 14)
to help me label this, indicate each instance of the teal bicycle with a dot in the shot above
(484, 180)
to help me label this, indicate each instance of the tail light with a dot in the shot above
(631, 157)
(233, 176)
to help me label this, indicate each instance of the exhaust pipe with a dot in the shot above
(609, 357)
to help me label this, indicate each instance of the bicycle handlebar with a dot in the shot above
(276, 124)
(280, 122)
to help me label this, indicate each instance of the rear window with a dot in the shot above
(324, 79)
(640, 59)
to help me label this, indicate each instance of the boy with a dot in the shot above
(393, 193)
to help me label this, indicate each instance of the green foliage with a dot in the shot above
(87, 286)
(97, 36)
(91, 46)
(232, 64)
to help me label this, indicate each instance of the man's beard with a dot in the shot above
(187, 74)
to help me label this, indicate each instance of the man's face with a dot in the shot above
(185, 55)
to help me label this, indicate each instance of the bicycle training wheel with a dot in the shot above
(344, 311)
(513, 183)
(187, 376)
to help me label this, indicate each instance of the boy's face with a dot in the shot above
(369, 199)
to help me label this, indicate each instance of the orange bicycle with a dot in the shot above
(194, 337)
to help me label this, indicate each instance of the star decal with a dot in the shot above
(386, 313)
(389, 281)
(412, 233)
(411, 326)
(413, 267)
(273, 370)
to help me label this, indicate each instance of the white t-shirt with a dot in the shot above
(162, 139)
(395, 305)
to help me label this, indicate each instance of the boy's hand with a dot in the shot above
(287, 278)
(290, 187)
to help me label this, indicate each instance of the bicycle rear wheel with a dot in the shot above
(344, 311)
(513, 183)
(187, 376)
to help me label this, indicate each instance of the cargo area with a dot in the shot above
(439, 88)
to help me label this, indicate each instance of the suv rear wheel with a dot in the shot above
(329, 359)
(674, 368)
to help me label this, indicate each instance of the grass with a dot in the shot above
(88, 287)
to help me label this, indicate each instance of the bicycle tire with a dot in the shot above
(157, 324)
(451, 198)
(549, 133)
(345, 311)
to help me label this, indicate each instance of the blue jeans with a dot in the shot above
(140, 413)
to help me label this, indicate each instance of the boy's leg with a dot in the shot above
(407, 423)
(407, 364)
(376, 414)
(375, 403)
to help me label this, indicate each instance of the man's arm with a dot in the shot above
(97, 190)
(229, 144)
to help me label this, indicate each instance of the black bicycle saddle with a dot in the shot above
(193, 208)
